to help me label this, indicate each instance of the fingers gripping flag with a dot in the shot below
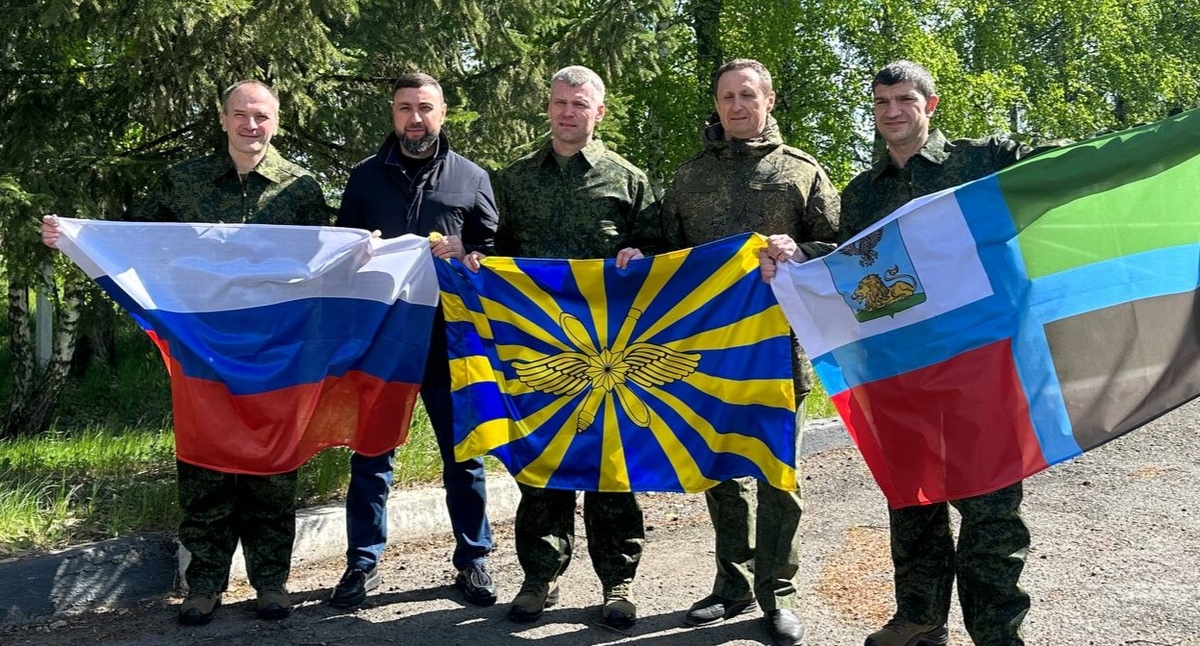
(671, 375)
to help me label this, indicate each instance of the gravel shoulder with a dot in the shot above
(1115, 561)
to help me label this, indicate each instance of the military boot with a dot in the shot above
(901, 632)
(619, 608)
(273, 604)
(534, 597)
(198, 608)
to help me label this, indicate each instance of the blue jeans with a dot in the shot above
(466, 495)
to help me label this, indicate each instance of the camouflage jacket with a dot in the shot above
(761, 185)
(208, 189)
(940, 164)
(595, 205)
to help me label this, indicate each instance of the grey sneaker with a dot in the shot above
(902, 632)
(476, 585)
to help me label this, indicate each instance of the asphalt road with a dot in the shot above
(1115, 561)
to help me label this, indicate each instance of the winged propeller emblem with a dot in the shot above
(606, 370)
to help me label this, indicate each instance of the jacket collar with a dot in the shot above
(935, 150)
(592, 153)
(272, 166)
(714, 139)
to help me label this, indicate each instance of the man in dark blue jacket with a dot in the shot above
(416, 184)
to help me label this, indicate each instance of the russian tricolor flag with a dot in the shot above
(978, 335)
(280, 340)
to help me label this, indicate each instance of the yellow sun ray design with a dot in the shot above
(506, 269)
(538, 472)
(614, 473)
(589, 277)
(733, 270)
(774, 393)
(778, 473)
(686, 470)
(497, 312)
(498, 432)
(456, 311)
(661, 270)
(765, 325)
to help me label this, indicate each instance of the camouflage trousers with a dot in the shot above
(758, 537)
(220, 508)
(992, 544)
(545, 533)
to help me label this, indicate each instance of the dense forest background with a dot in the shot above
(97, 96)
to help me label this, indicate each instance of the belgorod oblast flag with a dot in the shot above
(976, 336)
(280, 341)
(670, 375)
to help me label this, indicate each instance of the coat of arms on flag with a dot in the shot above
(1060, 311)
(670, 375)
(870, 290)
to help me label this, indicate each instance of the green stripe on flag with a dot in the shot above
(1112, 196)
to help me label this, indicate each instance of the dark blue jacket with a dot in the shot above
(450, 195)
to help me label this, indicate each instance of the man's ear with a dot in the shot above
(931, 104)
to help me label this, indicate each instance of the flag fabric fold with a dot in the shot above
(671, 375)
(280, 341)
(978, 335)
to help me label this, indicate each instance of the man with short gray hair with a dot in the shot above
(574, 198)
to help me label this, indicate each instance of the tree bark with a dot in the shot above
(36, 390)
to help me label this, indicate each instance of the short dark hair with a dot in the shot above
(741, 64)
(233, 88)
(901, 71)
(415, 79)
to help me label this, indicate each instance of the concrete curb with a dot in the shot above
(122, 571)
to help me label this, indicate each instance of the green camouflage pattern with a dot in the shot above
(545, 533)
(208, 189)
(993, 543)
(595, 205)
(758, 537)
(993, 539)
(219, 508)
(762, 185)
(729, 188)
(940, 164)
(592, 207)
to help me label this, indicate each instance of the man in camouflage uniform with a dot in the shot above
(746, 179)
(574, 198)
(993, 539)
(249, 183)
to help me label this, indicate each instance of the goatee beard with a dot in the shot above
(419, 146)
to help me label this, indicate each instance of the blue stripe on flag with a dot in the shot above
(261, 349)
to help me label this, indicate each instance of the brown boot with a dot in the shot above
(274, 604)
(619, 608)
(198, 608)
(534, 597)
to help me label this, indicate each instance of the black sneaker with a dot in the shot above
(476, 585)
(353, 588)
